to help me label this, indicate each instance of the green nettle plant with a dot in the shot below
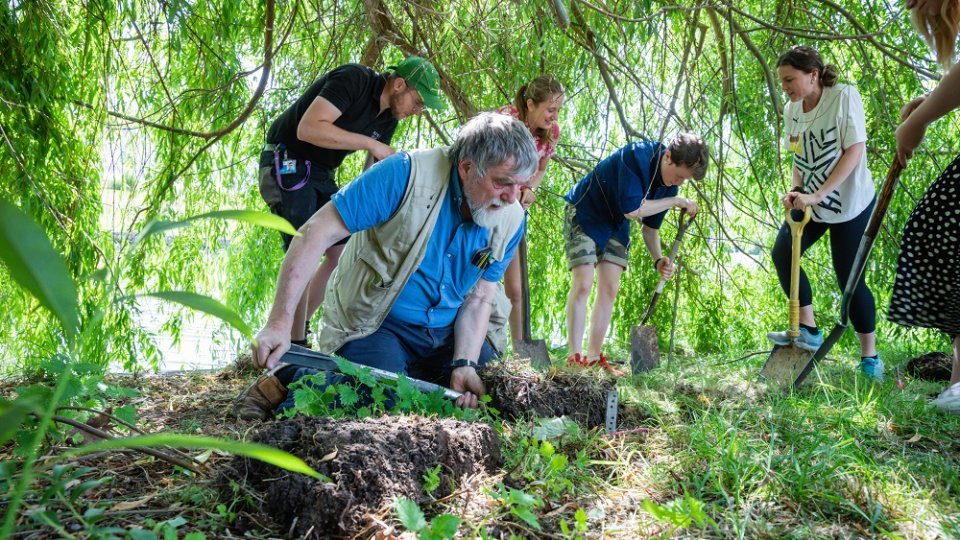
(33, 416)
(441, 527)
(363, 395)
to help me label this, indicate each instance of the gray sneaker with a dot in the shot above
(806, 340)
(949, 399)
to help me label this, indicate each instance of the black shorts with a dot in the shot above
(298, 205)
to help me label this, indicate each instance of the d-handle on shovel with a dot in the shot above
(644, 347)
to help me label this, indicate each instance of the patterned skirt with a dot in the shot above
(927, 288)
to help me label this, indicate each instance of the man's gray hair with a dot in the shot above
(489, 139)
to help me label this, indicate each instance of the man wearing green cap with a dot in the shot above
(350, 108)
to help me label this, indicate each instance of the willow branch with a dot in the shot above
(604, 73)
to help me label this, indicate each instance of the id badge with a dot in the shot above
(288, 166)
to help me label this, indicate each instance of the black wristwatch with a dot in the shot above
(463, 362)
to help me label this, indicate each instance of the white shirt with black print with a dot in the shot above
(818, 139)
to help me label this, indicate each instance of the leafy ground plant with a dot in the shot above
(361, 395)
(33, 416)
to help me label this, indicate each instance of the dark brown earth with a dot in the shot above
(933, 366)
(518, 391)
(370, 461)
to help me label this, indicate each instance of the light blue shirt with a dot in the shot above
(437, 289)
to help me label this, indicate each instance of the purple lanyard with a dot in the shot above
(300, 184)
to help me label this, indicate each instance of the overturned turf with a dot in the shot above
(517, 391)
(370, 461)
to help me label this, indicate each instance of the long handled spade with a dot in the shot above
(301, 356)
(787, 362)
(859, 263)
(526, 346)
(644, 347)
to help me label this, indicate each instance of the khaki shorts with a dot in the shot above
(581, 249)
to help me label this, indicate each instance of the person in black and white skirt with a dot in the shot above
(927, 288)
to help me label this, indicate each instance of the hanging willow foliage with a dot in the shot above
(169, 102)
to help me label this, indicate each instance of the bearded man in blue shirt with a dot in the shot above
(433, 232)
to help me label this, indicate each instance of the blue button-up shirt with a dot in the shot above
(437, 289)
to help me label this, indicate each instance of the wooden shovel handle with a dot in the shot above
(796, 232)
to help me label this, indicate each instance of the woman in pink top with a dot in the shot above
(538, 105)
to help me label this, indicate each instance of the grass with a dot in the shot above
(842, 457)
(711, 453)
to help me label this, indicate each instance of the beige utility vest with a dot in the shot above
(377, 262)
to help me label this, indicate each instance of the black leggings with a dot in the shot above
(844, 242)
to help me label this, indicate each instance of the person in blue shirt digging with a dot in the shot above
(639, 181)
(433, 232)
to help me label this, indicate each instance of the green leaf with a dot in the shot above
(141, 534)
(526, 515)
(444, 526)
(207, 305)
(13, 412)
(348, 396)
(262, 219)
(37, 267)
(266, 454)
(520, 498)
(127, 413)
(410, 514)
(551, 428)
(546, 449)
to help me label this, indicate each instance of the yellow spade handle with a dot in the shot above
(796, 231)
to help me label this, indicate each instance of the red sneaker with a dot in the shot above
(576, 359)
(607, 366)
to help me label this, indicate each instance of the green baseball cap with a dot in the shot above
(421, 74)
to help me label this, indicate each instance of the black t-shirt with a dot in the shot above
(354, 90)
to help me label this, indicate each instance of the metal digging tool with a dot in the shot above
(859, 263)
(786, 363)
(526, 347)
(301, 356)
(644, 347)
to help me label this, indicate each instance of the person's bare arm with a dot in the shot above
(317, 128)
(944, 98)
(469, 331)
(848, 161)
(650, 208)
(324, 229)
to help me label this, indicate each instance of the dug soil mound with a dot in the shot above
(520, 392)
(933, 366)
(369, 461)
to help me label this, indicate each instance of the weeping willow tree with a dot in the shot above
(116, 114)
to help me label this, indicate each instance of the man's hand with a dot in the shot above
(666, 268)
(527, 197)
(465, 379)
(687, 204)
(269, 346)
(380, 151)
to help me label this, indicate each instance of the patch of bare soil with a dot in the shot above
(370, 461)
(933, 366)
(518, 391)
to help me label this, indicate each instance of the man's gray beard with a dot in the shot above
(488, 219)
